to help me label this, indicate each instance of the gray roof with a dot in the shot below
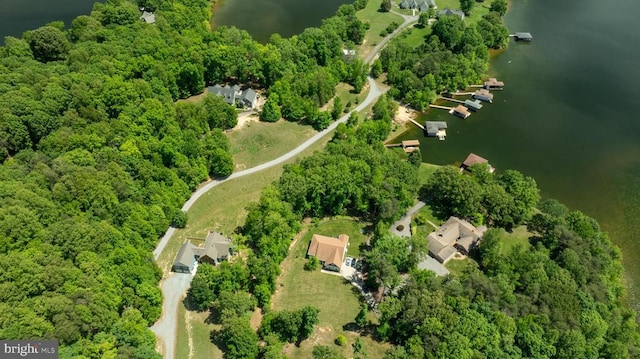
(451, 12)
(474, 104)
(422, 5)
(249, 95)
(443, 240)
(148, 17)
(524, 35)
(215, 246)
(186, 255)
(233, 94)
(433, 127)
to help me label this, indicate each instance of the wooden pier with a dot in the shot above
(417, 124)
(408, 145)
(478, 86)
(441, 107)
(462, 93)
(450, 99)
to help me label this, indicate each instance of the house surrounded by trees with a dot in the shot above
(330, 251)
(235, 96)
(455, 235)
(216, 249)
(422, 5)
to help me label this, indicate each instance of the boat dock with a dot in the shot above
(522, 36)
(450, 99)
(441, 107)
(417, 124)
(408, 145)
(462, 93)
(460, 111)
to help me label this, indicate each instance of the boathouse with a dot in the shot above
(436, 129)
(473, 105)
(523, 36)
(461, 111)
(493, 84)
(483, 95)
(410, 145)
(474, 159)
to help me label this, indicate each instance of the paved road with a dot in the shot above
(174, 286)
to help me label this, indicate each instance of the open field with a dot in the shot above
(200, 332)
(259, 142)
(378, 21)
(337, 300)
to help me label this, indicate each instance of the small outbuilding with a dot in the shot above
(461, 111)
(493, 84)
(523, 36)
(148, 17)
(483, 95)
(473, 105)
(436, 129)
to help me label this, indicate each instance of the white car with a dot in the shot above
(347, 261)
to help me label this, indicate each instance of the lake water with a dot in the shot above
(569, 115)
(17, 16)
(261, 18)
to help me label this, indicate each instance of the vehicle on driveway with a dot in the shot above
(353, 262)
(347, 261)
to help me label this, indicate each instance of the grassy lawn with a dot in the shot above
(337, 300)
(343, 91)
(457, 266)
(477, 12)
(425, 171)
(519, 236)
(193, 324)
(415, 36)
(378, 21)
(259, 142)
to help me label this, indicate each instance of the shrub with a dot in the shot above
(312, 264)
(341, 340)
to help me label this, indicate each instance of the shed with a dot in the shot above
(410, 143)
(148, 17)
(474, 159)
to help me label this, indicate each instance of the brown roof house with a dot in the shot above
(215, 249)
(474, 159)
(330, 251)
(455, 235)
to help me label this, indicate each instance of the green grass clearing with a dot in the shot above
(477, 12)
(425, 171)
(457, 266)
(259, 142)
(519, 236)
(192, 323)
(378, 21)
(415, 35)
(338, 301)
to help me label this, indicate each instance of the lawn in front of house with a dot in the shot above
(378, 21)
(415, 35)
(477, 12)
(338, 301)
(258, 142)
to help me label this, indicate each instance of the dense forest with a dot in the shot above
(98, 155)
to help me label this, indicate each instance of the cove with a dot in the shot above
(569, 115)
(18, 16)
(262, 18)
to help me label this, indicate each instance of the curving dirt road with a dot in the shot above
(175, 284)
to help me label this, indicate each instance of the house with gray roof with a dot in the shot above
(451, 12)
(215, 250)
(422, 5)
(235, 96)
(455, 235)
(148, 17)
(186, 259)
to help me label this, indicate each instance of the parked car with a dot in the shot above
(353, 262)
(347, 261)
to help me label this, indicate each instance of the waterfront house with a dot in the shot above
(474, 159)
(451, 12)
(330, 251)
(455, 235)
(436, 129)
(493, 84)
(473, 105)
(461, 111)
(483, 95)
